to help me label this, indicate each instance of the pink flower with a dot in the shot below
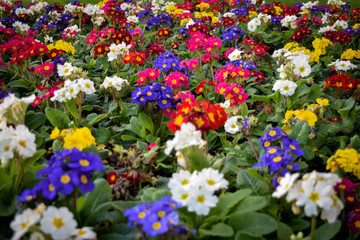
(193, 63)
(176, 79)
(36, 101)
(151, 146)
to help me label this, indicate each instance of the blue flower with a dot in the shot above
(85, 162)
(155, 226)
(292, 145)
(47, 189)
(138, 214)
(26, 196)
(63, 180)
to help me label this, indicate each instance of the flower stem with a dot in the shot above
(252, 147)
(235, 140)
(80, 110)
(206, 143)
(74, 198)
(313, 227)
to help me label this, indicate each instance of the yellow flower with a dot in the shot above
(286, 129)
(62, 45)
(323, 102)
(80, 138)
(278, 10)
(289, 115)
(347, 159)
(350, 54)
(308, 116)
(55, 133)
(252, 14)
(291, 45)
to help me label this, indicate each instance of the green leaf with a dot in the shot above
(298, 224)
(253, 223)
(151, 194)
(101, 194)
(72, 106)
(229, 200)
(33, 121)
(28, 162)
(308, 153)
(93, 118)
(284, 231)
(300, 131)
(244, 110)
(102, 135)
(218, 230)
(355, 142)
(57, 118)
(244, 179)
(243, 236)
(327, 231)
(123, 205)
(251, 204)
(136, 126)
(147, 122)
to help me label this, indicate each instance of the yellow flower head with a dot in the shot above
(347, 159)
(55, 133)
(323, 102)
(289, 115)
(62, 45)
(80, 138)
(308, 116)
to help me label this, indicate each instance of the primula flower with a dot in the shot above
(203, 115)
(80, 138)
(112, 177)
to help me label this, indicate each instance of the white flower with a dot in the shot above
(91, 9)
(37, 236)
(133, 19)
(331, 214)
(114, 81)
(58, 222)
(285, 184)
(201, 201)
(24, 141)
(180, 159)
(281, 71)
(314, 195)
(211, 179)
(302, 66)
(71, 89)
(286, 87)
(86, 86)
(231, 125)
(341, 23)
(342, 65)
(181, 180)
(65, 70)
(84, 233)
(22, 222)
(6, 144)
(225, 104)
(187, 136)
(235, 55)
(48, 39)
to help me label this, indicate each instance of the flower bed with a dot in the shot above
(201, 119)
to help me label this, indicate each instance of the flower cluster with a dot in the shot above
(347, 159)
(167, 61)
(66, 170)
(79, 137)
(74, 89)
(279, 153)
(116, 50)
(49, 222)
(176, 79)
(147, 75)
(315, 192)
(113, 82)
(134, 57)
(153, 93)
(341, 81)
(233, 125)
(286, 87)
(196, 190)
(203, 115)
(154, 219)
(232, 92)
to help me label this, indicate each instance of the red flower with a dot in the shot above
(112, 177)
(36, 102)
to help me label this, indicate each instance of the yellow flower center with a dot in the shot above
(201, 199)
(210, 182)
(314, 197)
(58, 223)
(156, 225)
(65, 179)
